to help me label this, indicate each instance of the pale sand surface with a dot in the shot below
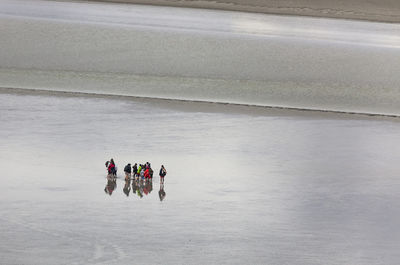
(211, 107)
(242, 186)
(374, 10)
(197, 54)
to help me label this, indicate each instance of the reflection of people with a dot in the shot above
(141, 187)
(148, 187)
(127, 187)
(135, 186)
(161, 192)
(111, 185)
(163, 172)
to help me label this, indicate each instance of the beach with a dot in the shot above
(201, 55)
(244, 184)
(376, 10)
(279, 133)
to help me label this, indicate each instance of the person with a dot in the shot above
(139, 169)
(151, 173)
(112, 169)
(107, 164)
(128, 171)
(134, 170)
(147, 174)
(142, 173)
(163, 172)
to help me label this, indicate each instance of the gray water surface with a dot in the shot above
(244, 185)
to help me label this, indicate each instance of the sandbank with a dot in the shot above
(196, 106)
(374, 10)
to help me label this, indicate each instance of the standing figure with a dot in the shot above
(112, 169)
(147, 174)
(142, 173)
(134, 170)
(107, 164)
(128, 171)
(163, 172)
(151, 173)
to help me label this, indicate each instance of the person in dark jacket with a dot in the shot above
(163, 172)
(107, 164)
(128, 171)
(134, 170)
(151, 173)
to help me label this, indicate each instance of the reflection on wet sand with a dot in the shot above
(140, 187)
(127, 187)
(161, 192)
(135, 188)
(148, 187)
(111, 184)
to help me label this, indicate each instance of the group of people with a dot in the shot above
(141, 176)
(141, 171)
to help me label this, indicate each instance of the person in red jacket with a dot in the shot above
(112, 168)
(147, 174)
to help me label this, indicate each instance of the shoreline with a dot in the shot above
(210, 107)
(387, 11)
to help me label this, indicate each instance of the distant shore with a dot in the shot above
(373, 10)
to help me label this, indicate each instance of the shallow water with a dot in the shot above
(254, 187)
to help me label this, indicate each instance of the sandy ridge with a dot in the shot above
(372, 10)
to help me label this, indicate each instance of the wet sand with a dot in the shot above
(245, 184)
(375, 10)
(250, 187)
(204, 55)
